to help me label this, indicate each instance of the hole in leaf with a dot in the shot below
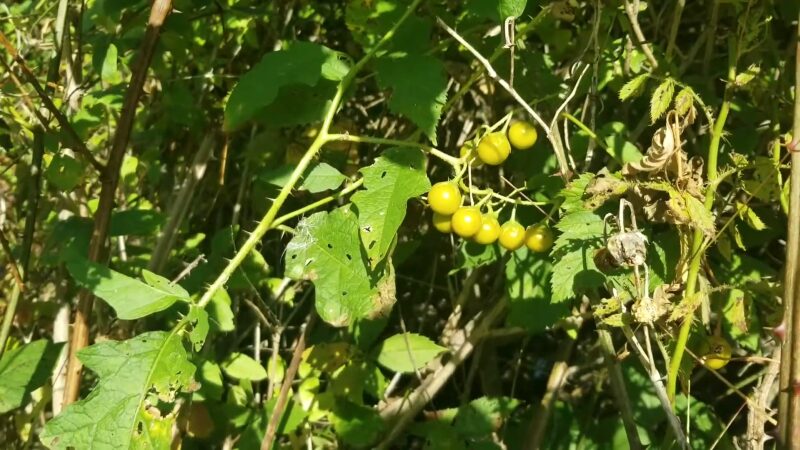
(372, 244)
(294, 256)
(330, 245)
(139, 427)
(348, 256)
(383, 174)
(344, 293)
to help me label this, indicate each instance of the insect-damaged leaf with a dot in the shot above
(395, 177)
(326, 250)
(137, 378)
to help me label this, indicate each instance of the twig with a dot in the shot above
(544, 409)
(673, 31)
(618, 388)
(552, 136)
(791, 300)
(400, 413)
(74, 140)
(632, 11)
(80, 329)
(288, 379)
(180, 206)
(14, 269)
(754, 440)
(658, 386)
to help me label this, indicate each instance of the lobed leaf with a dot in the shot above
(395, 177)
(137, 377)
(419, 88)
(661, 99)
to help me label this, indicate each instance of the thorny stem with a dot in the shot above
(698, 237)
(789, 418)
(323, 137)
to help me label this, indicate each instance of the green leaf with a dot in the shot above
(633, 88)
(621, 149)
(419, 88)
(326, 249)
(358, 426)
(130, 298)
(574, 270)
(748, 215)
(684, 101)
(747, 76)
(110, 72)
(483, 416)
(243, 367)
(396, 176)
(198, 321)
(322, 177)
(302, 63)
(574, 192)
(368, 22)
(661, 99)
(219, 311)
(511, 8)
(64, 172)
(471, 255)
(135, 222)
(529, 293)
(407, 352)
(23, 370)
(136, 377)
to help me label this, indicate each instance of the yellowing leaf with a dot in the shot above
(633, 88)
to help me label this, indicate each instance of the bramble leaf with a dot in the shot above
(326, 250)
(136, 378)
(529, 292)
(661, 99)
(396, 176)
(633, 88)
(574, 270)
(407, 352)
(130, 298)
(419, 88)
(23, 370)
(302, 63)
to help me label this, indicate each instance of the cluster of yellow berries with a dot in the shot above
(493, 148)
(449, 216)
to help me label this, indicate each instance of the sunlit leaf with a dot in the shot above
(396, 176)
(136, 378)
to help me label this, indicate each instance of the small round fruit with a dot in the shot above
(512, 236)
(442, 223)
(716, 352)
(494, 148)
(539, 238)
(489, 232)
(444, 198)
(466, 222)
(522, 135)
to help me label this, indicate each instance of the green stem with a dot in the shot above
(585, 129)
(697, 239)
(453, 161)
(352, 187)
(269, 217)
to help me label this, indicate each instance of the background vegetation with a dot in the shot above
(216, 230)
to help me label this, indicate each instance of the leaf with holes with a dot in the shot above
(326, 249)
(419, 88)
(396, 176)
(129, 407)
